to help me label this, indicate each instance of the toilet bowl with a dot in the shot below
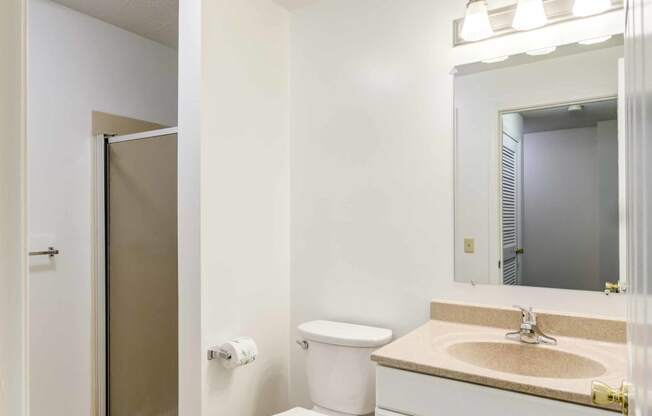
(341, 376)
(320, 411)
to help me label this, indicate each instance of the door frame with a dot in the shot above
(98, 281)
(99, 264)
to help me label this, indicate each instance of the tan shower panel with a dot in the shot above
(142, 277)
(106, 123)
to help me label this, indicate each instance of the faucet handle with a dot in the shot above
(528, 313)
(523, 309)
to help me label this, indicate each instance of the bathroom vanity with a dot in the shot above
(461, 363)
(407, 393)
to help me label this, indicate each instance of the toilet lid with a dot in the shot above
(299, 411)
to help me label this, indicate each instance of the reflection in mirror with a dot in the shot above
(559, 181)
(537, 172)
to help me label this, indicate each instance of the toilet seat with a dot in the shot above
(299, 411)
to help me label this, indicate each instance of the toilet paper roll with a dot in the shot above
(242, 350)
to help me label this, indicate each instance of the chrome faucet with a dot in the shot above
(530, 333)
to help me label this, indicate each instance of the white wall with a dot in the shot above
(12, 283)
(371, 163)
(371, 171)
(76, 64)
(479, 98)
(245, 202)
(570, 195)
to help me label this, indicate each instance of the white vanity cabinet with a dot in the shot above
(404, 393)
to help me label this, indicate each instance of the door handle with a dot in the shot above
(613, 287)
(603, 395)
(50, 252)
(519, 250)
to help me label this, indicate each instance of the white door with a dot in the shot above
(511, 209)
(638, 131)
(638, 158)
(59, 296)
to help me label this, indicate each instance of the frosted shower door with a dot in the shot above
(141, 188)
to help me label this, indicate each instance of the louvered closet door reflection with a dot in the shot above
(511, 205)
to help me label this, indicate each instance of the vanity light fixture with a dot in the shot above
(530, 14)
(496, 60)
(476, 24)
(583, 8)
(575, 108)
(595, 40)
(542, 51)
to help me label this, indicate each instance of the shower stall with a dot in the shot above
(136, 269)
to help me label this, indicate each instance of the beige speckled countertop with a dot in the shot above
(427, 350)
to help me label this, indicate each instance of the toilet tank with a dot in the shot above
(341, 376)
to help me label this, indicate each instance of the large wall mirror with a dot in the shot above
(538, 195)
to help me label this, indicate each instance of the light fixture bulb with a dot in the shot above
(476, 24)
(530, 14)
(583, 8)
(542, 51)
(496, 60)
(595, 40)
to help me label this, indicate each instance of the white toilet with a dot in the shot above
(341, 376)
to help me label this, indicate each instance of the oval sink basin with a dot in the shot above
(526, 360)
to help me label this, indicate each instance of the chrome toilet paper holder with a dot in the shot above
(217, 352)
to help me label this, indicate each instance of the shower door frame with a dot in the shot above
(99, 257)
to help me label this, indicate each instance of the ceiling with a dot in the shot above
(157, 20)
(559, 118)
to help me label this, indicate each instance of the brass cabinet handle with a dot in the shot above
(603, 395)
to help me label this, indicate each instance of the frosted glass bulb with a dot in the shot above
(496, 60)
(595, 41)
(542, 51)
(583, 8)
(530, 14)
(476, 24)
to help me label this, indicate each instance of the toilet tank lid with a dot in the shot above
(346, 335)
